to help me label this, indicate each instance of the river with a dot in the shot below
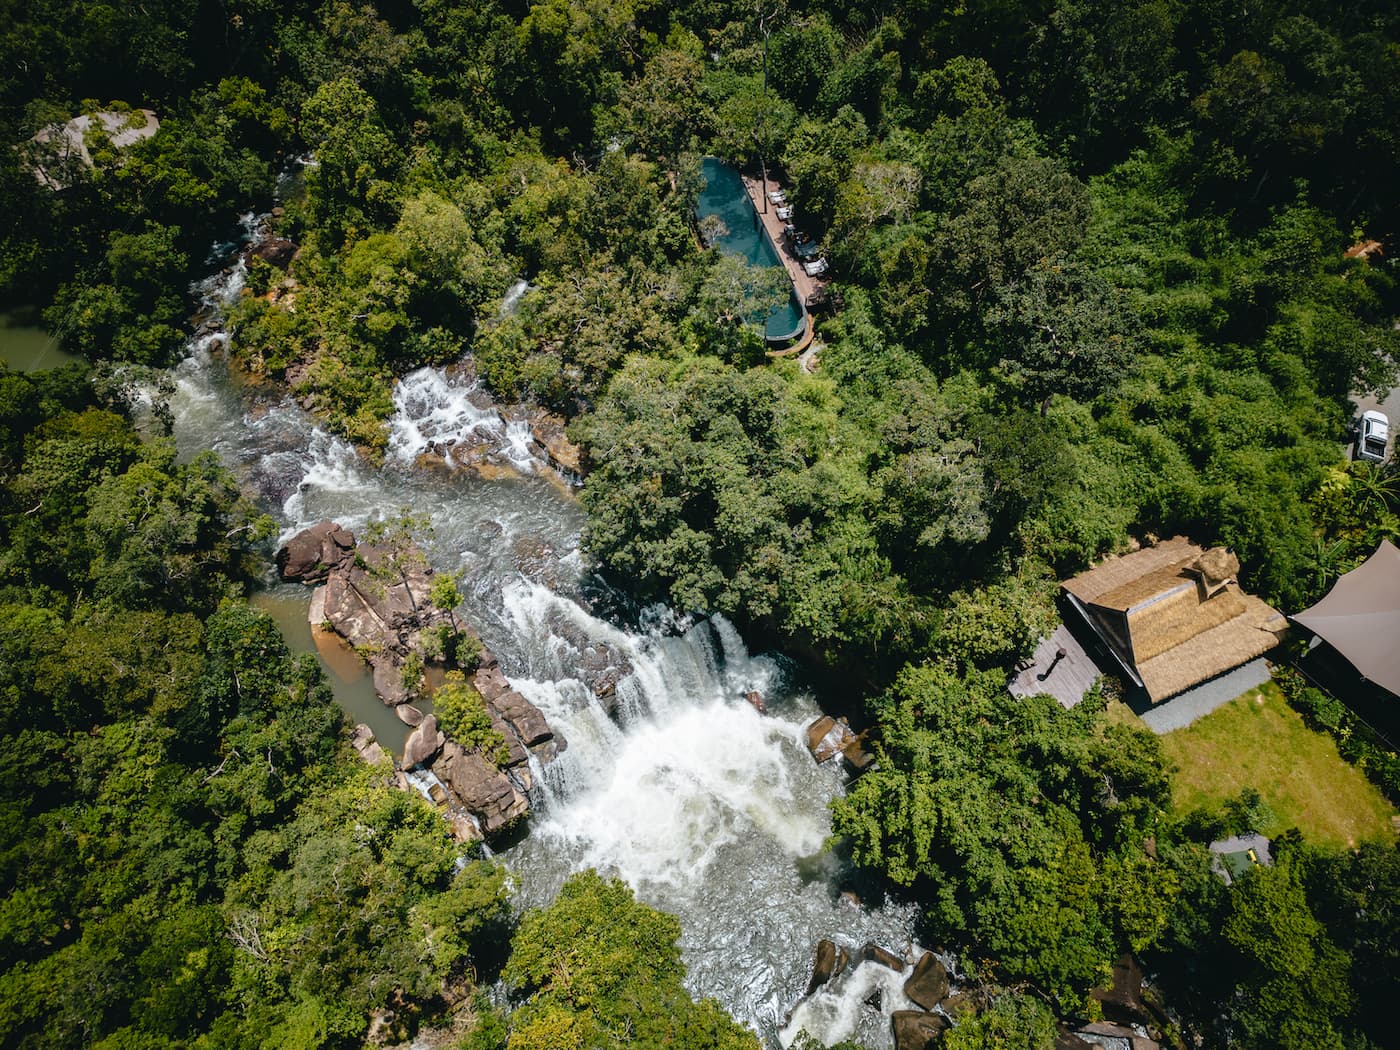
(26, 347)
(708, 809)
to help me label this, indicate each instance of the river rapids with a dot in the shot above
(708, 809)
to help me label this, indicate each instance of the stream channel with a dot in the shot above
(708, 809)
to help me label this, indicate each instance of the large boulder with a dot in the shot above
(277, 251)
(827, 736)
(522, 716)
(872, 952)
(916, 1030)
(928, 984)
(312, 554)
(830, 961)
(388, 678)
(480, 787)
(362, 740)
(423, 743)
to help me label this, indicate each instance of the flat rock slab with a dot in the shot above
(829, 962)
(423, 743)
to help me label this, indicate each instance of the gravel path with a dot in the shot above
(1181, 710)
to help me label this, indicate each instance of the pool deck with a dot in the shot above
(804, 285)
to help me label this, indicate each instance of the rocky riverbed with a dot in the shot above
(379, 600)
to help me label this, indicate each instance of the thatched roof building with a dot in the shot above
(1174, 616)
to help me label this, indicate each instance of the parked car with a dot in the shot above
(1371, 440)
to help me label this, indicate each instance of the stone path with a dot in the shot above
(1181, 710)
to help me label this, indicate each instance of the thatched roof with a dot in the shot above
(1360, 617)
(1174, 615)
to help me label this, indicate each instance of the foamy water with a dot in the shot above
(706, 808)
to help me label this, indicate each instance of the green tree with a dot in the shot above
(1064, 331)
(602, 970)
(462, 715)
(347, 186)
(1015, 1022)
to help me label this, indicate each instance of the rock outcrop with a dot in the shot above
(872, 952)
(312, 554)
(481, 789)
(275, 251)
(928, 984)
(828, 737)
(916, 1030)
(362, 740)
(424, 743)
(379, 604)
(564, 455)
(829, 963)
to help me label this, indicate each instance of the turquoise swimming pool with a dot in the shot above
(724, 196)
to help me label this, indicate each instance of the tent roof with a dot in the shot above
(1360, 617)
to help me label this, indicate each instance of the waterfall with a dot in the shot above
(673, 782)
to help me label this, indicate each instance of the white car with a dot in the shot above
(1371, 439)
(815, 268)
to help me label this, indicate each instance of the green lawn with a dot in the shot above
(1258, 741)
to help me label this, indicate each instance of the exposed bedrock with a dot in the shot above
(378, 601)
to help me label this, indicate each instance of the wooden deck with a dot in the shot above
(1067, 679)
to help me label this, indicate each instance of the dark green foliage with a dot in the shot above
(1018, 824)
(188, 848)
(1092, 262)
(1014, 1020)
(1288, 956)
(462, 715)
(602, 970)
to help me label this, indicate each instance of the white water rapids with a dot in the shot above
(708, 809)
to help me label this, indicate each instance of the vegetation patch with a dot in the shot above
(1257, 741)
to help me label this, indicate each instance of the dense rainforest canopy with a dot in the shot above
(1094, 284)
